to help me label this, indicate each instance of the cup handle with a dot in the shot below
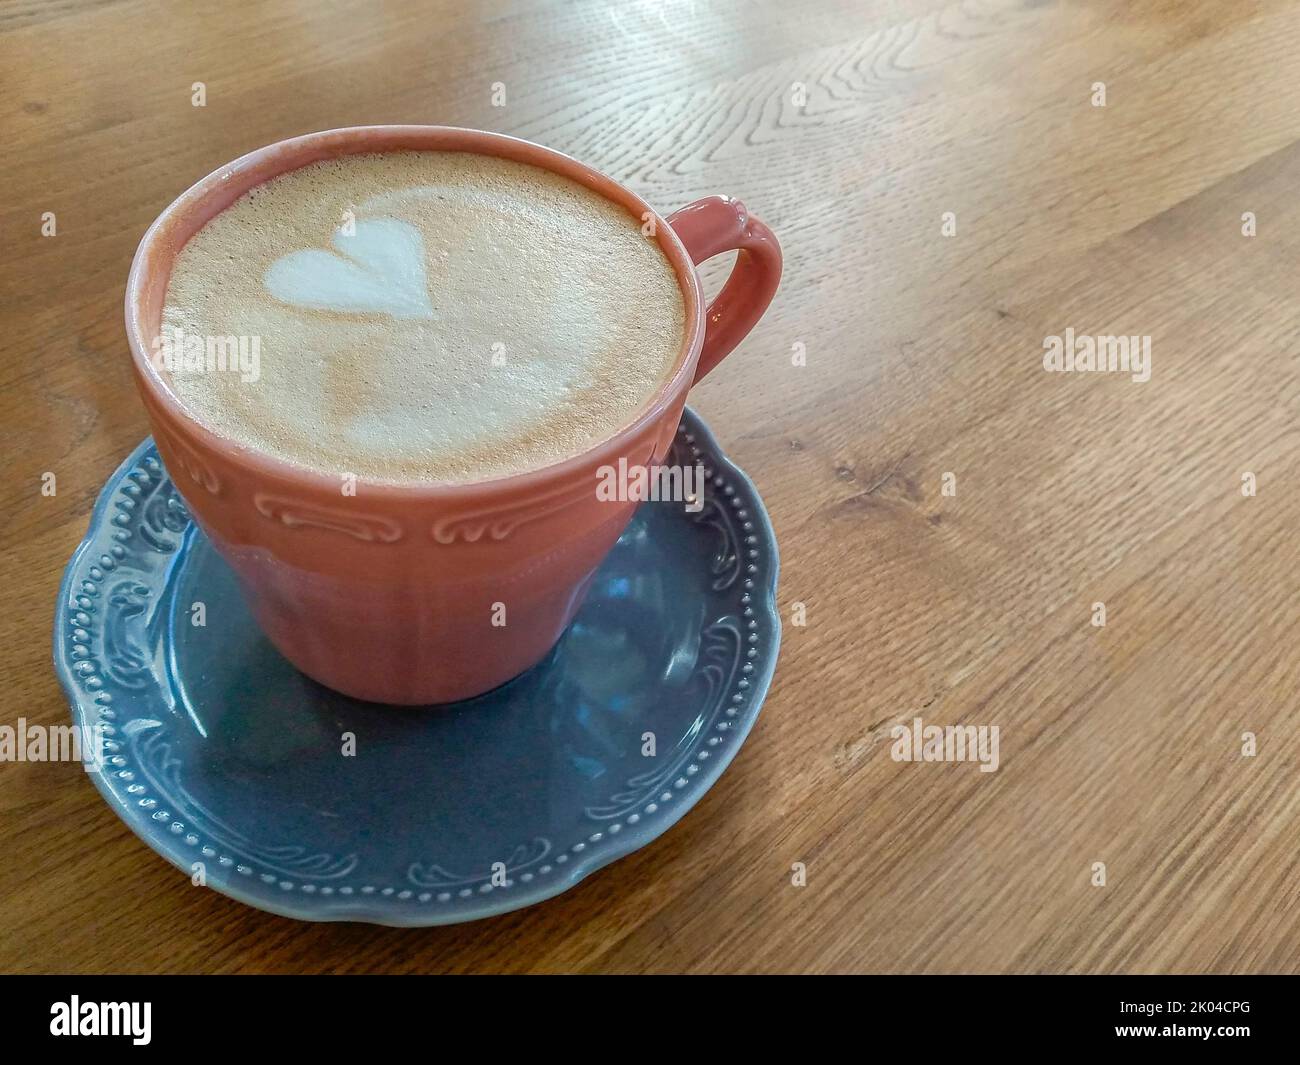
(708, 227)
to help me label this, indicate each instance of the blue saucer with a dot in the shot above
(218, 752)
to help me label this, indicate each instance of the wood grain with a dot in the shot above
(1120, 744)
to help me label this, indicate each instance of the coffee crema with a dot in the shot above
(424, 316)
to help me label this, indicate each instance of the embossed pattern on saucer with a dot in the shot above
(300, 801)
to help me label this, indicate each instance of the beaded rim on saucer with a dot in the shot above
(140, 528)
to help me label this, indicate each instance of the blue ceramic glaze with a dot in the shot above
(306, 803)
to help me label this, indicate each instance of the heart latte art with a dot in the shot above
(380, 269)
(438, 316)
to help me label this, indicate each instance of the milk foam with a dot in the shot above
(380, 271)
(427, 316)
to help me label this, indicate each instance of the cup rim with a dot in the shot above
(226, 182)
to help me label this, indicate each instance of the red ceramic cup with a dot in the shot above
(390, 594)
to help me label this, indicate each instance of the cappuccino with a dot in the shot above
(424, 316)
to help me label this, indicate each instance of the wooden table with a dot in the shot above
(949, 195)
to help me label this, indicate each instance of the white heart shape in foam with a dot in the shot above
(383, 273)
